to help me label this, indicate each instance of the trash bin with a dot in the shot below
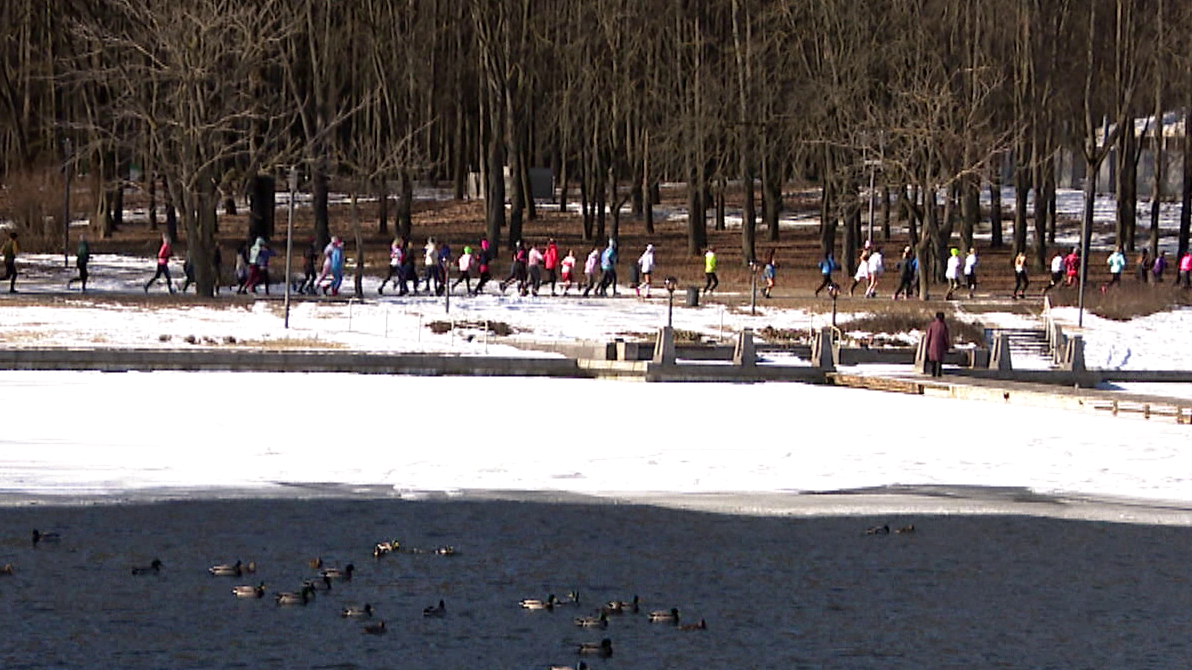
(693, 296)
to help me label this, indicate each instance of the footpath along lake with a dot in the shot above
(975, 591)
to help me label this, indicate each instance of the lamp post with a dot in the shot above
(753, 288)
(66, 210)
(671, 283)
(293, 184)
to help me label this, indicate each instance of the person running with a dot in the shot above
(1184, 278)
(550, 262)
(827, 266)
(1143, 265)
(590, 266)
(970, 271)
(517, 272)
(1021, 279)
(242, 266)
(465, 270)
(877, 267)
(1072, 267)
(952, 272)
(409, 273)
(396, 252)
(534, 259)
(258, 271)
(82, 258)
(770, 273)
(484, 258)
(430, 262)
(310, 259)
(1159, 267)
(608, 270)
(335, 258)
(645, 265)
(1057, 271)
(862, 273)
(188, 272)
(10, 251)
(711, 281)
(163, 263)
(441, 267)
(1117, 265)
(567, 270)
(906, 273)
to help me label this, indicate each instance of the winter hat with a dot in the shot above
(955, 251)
(468, 250)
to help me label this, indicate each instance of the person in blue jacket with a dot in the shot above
(827, 266)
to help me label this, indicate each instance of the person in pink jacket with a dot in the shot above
(1185, 276)
(550, 263)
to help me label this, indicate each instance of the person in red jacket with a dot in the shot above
(937, 343)
(1072, 267)
(163, 263)
(550, 262)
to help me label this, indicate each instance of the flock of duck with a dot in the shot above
(598, 619)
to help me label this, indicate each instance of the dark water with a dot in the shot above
(980, 592)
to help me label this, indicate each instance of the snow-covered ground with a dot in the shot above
(80, 434)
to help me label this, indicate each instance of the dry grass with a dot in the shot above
(1131, 300)
(886, 326)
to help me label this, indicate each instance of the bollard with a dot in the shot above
(664, 346)
(692, 296)
(999, 356)
(822, 354)
(745, 353)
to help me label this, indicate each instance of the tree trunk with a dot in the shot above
(1127, 188)
(319, 193)
(404, 217)
(995, 202)
(262, 204)
(383, 207)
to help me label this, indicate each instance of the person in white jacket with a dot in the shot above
(970, 271)
(877, 267)
(952, 273)
(646, 264)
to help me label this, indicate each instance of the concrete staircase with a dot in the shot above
(1028, 346)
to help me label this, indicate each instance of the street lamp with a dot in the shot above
(671, 283)
(66, 213)
(293, 184)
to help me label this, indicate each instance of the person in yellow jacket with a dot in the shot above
(10, 251)
(710, 271)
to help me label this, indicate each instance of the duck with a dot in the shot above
(151, 569)
(300, 598)
(662, 616)
(226, 570)
(48, 538)
(382, 548)
(7, 570)
(447, 550)
(316, 562)
(603, 648)
(433, 610)
(878, 530)
(536, 604)
(249, 591)
(580, 666)
(702, 625)
(357, 612)
(905, 529)
(572, 598)
(592, 621)
(249, 568)
(323, 584)
(344, 573)
(377, 628)
(616, 607)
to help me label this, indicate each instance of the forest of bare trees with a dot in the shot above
(934, 99)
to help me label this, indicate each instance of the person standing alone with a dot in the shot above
(81, 260)
(937, 341)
